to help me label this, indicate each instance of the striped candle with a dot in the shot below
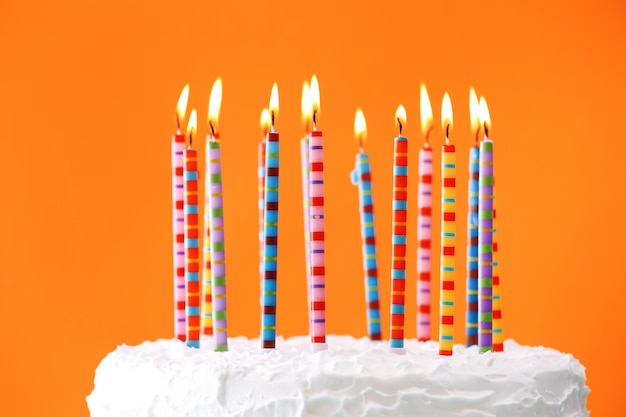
(178, 223)
(218, 262)
(270, 235)
(498, 335)
(471, 326)
(317, 239)
(304, 154)
(192, 255)
(261, 174)
(398, 240)
(361, 177)
(424, 223)
(448, 237)
(485, 246)
(207, 287)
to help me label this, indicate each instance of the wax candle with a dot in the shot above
(316, 227)
(216, 221)
(498, 336)
(362, 178)
(192, 238)
(448, 233)
(270, 230)
(485, 239)
(265, 127)
(398, 242)
(178, 218)
(307, 108)
(471, 323)
(424, 220)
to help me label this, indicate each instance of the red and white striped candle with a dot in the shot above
(178, 218)
(317, 228)
(424, 220)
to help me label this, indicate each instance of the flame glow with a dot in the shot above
(485, 118)
(273, 108)
(426, 111)
(474, 109)
(215, 101)
(192, 125)
(181, 107)
(360, 128)
(314, 94)
(400, 117)
(446, 114)
(307, 107)
(266, 121)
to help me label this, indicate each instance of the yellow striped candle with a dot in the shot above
(448, 234)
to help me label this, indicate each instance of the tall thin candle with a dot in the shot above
(448, 233)
(471, 323)
(270, 230)
(178, 219)
(192, 238)
(485, 240)
(362, 178)
(214, 190)
(317, 229)
(498, 336)
(398, 241)
(265, 126)
(424, 220)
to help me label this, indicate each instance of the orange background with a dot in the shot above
(87, 98)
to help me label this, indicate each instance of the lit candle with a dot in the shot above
(213, 192)
(316, 227)
(192, 238)
(178, 218)
(485, 239)
(471, 327)
(362, 178)
(307, 109)
(398, 241)
(424, 220)
(265, 127)
(448, 233)
(270, 229)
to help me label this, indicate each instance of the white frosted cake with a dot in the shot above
(354, 377)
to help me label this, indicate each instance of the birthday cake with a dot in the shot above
(354, 377)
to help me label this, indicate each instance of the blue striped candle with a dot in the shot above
(471, 327)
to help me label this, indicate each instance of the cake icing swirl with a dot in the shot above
(355, 377)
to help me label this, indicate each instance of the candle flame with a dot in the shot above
(266, 121)
(181, 107)
(307, 107)
(215, 101)
(273, 107)
(474, 109)
(401, 117)
(426, 112)
(485, 119)
(314, 94)
(446, 115)
(360, 128)
(192, 126)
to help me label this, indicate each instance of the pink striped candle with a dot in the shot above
(317, 229)
(178, 219)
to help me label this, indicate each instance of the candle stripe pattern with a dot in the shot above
(317, 238)
(207, 291)
(192, 255)
(448, 238)
(178, 224)
(498, 336)
(304, 154)
(362, 178)
(424, 227)
(471, 326)
(270, 249)
(218, 259)
(261, 174)
(398, 260)
(485, 246)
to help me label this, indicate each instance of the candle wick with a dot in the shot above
(427, 140)
(399, 124)
(315, 120)
(447, 131)
(486, 130)
(212, 129)
(272, 130)
(477, 137)
(190, 139)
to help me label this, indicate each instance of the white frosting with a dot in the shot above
(354, 377)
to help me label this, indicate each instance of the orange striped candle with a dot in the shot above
(448, 234)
